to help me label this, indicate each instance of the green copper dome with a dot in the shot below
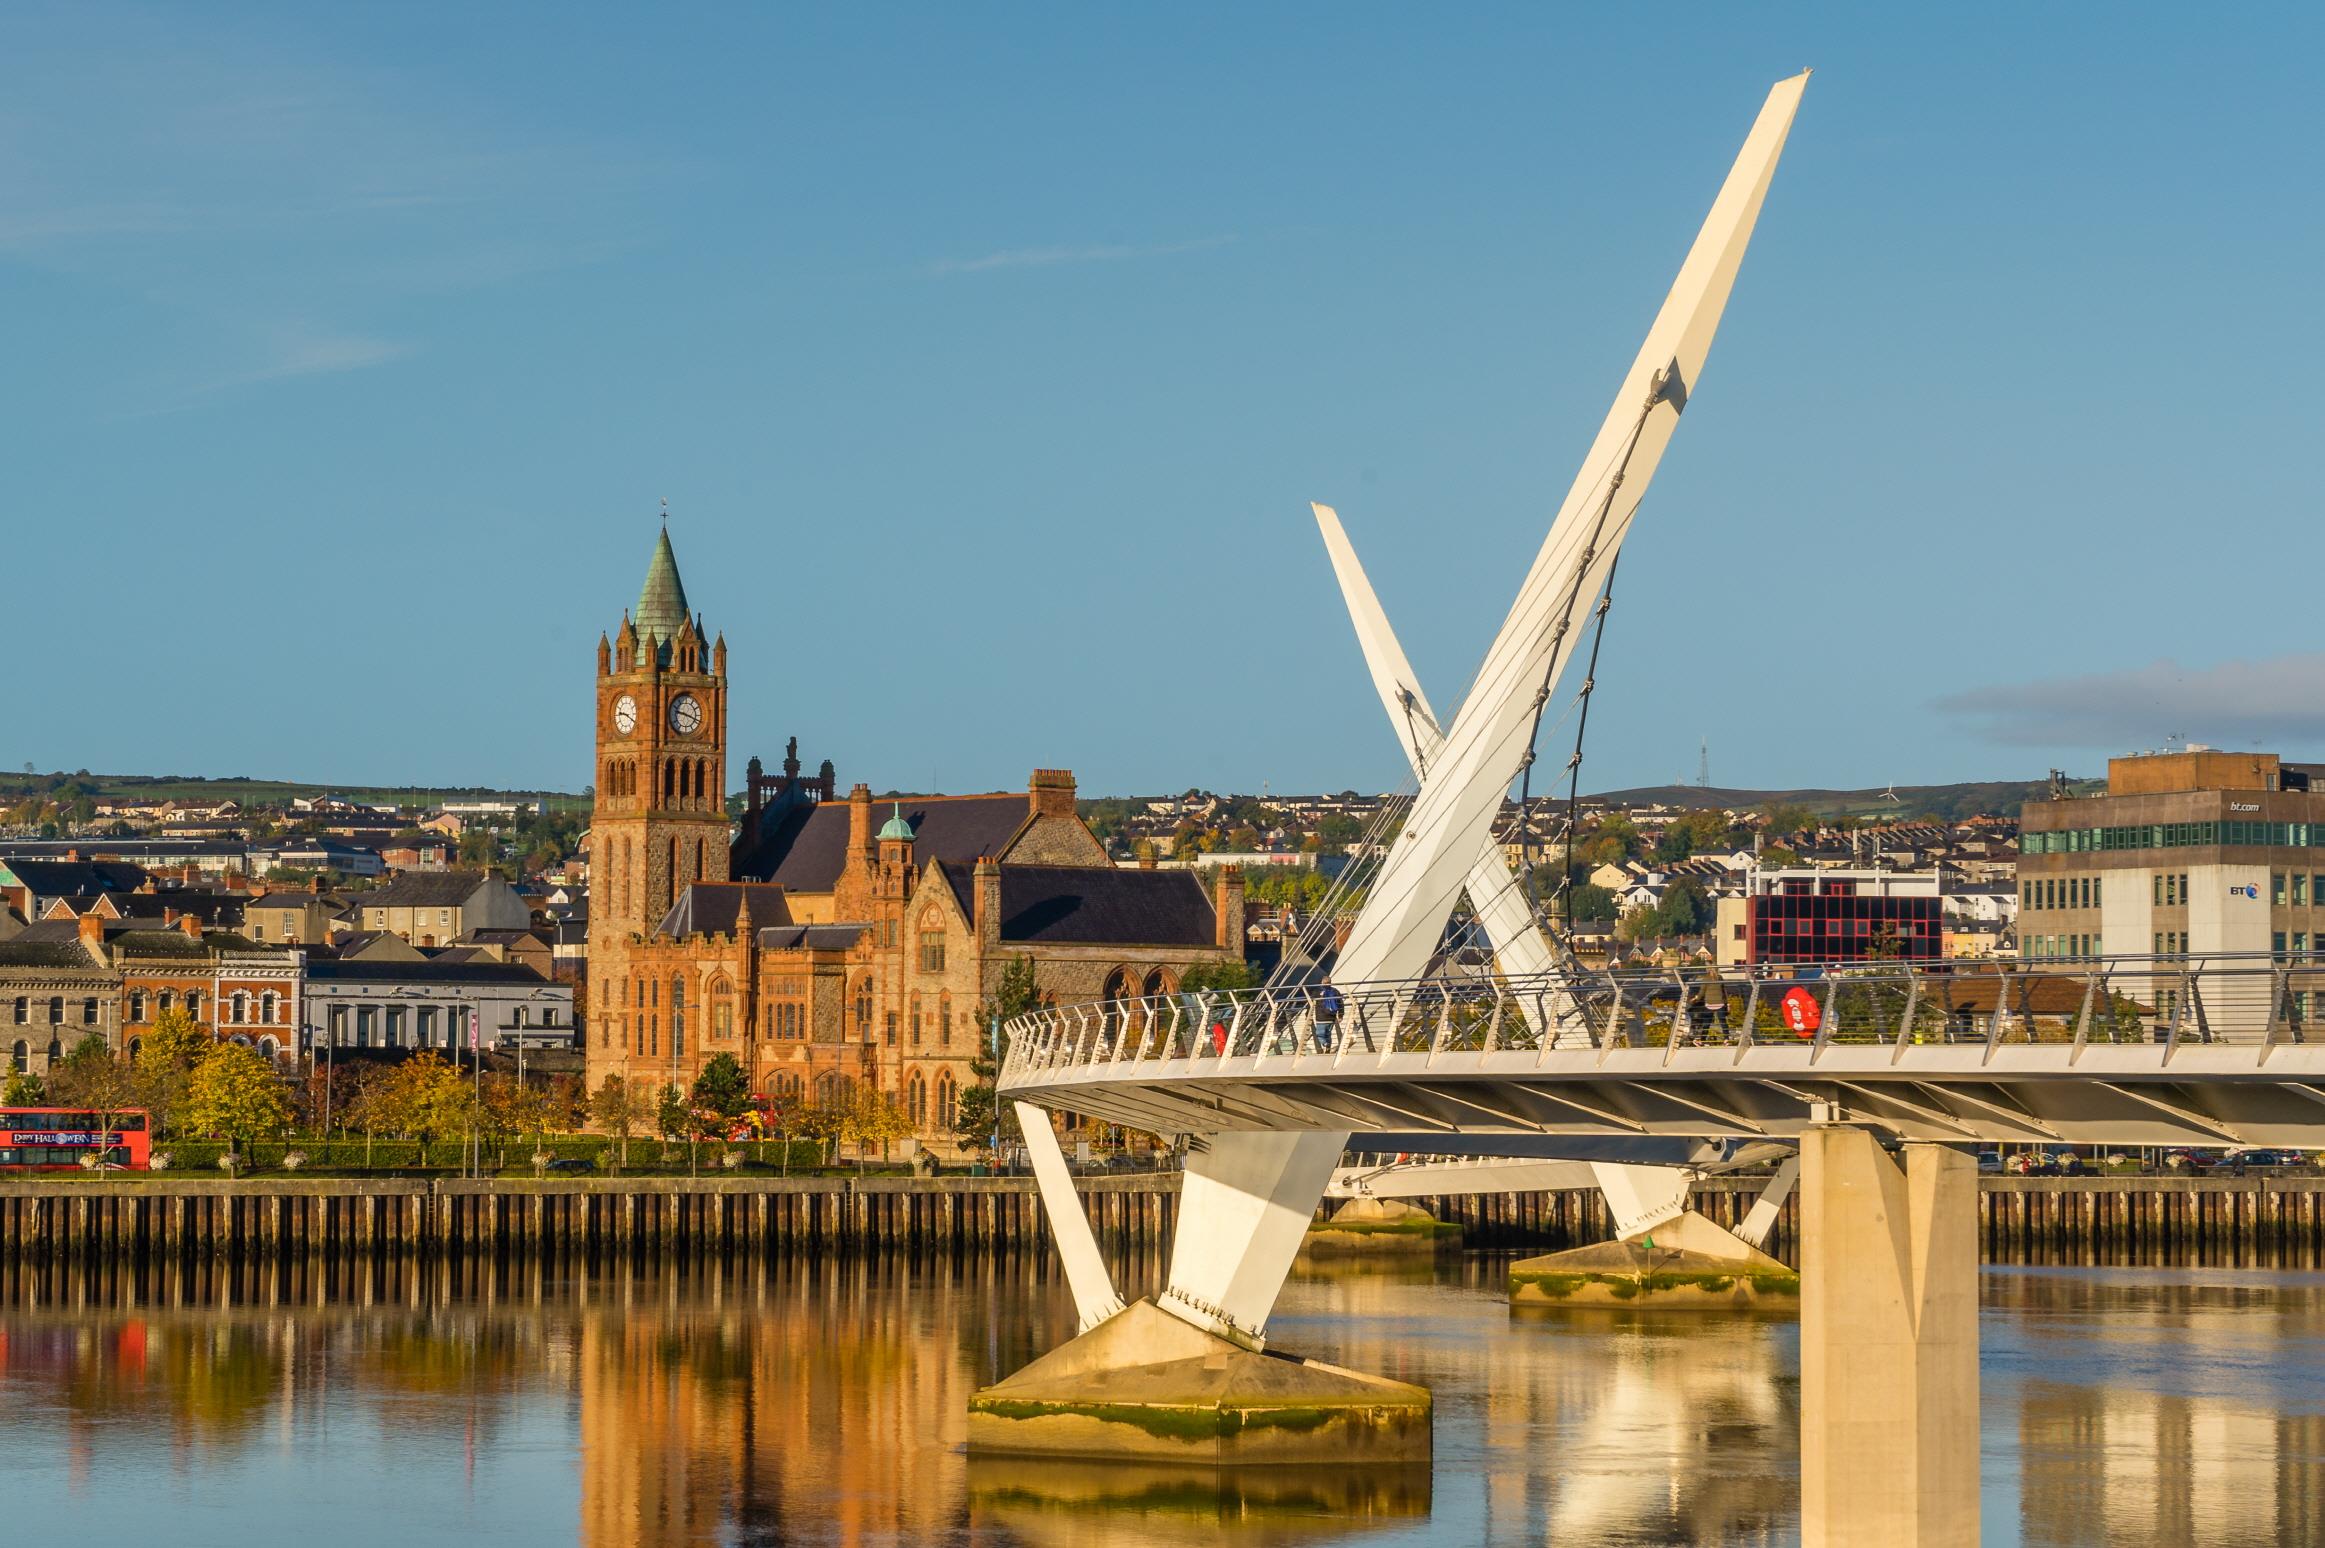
(896, 827)
(662, 608)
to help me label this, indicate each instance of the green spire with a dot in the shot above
(896, 827)
(662, 608)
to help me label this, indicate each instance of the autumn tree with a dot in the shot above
(167, 1057)
(236, 1094)
(618, 1108)
(869, 1119)
(91, 1076)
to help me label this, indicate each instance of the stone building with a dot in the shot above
(54, 991)
(822, 942)
(436, 908)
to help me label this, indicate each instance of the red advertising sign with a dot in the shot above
(1801, 1012)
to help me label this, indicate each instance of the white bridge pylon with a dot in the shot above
(1250, 1191)
(1641, 1197)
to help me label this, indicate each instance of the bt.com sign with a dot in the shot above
(2245, 890)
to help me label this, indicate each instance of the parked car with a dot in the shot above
(2189, 1160)
(2245, 1160)
(573, 1164)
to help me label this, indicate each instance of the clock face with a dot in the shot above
(625, 714)
(685, 715)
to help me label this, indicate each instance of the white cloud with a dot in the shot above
(1047, 257)
(2278, 701)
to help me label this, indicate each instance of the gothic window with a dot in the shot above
(20, 1057)
(932, 951)
(947, 1102)
(944, 1021)
(722, 1009)
(916, 1100)
(916, 1021)
(864, 1008)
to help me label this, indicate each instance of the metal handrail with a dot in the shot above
(2261, 999)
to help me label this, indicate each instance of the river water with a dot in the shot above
(822, 1402)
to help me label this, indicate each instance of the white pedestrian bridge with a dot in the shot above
(2210, 1051)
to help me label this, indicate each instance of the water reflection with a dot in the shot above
(825, 1403)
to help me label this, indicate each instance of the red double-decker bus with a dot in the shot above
(49, 1139)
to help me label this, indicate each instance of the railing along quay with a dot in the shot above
(609, 1218)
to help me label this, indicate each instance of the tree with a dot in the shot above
(825, 1122)
(670, 1114)
(167, 1057)
(871, 1119)
(92, 1077)
(424, 1098)
(236, 1094)
(618, 1109)
(1216, 977)
(22, 1090)
(723, 1091)
(1591, 901)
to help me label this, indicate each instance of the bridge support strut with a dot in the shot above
(1888, 1343)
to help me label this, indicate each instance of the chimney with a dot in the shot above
(91, 930)
(985, 900)
(1146, 854)
(1051, 792)
(860, 821)
(191, 924)
(315, 884)
(1229, 909)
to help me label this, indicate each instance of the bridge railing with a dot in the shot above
(2255, 999)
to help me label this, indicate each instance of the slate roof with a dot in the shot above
(422, 889)
(71, 878)
(18, 952)
(373, 970)
(710, 908)
(829, 937)
(1081, 905)
(806, 851)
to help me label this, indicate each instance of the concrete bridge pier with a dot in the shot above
(1185, 1377)
(1888, 1343)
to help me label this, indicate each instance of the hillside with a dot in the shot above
(1946, 802)
(15, 787)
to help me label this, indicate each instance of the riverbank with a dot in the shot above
(2254, 1220)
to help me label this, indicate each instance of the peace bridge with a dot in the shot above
(1446, 1014)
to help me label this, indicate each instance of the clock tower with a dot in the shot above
(660, 819)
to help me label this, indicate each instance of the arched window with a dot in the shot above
(916, 1100)
(944, 1020)
(916, 1018)
(947, 1102)
(56, 1050)
(137, 1005)
(269, 1004)
(136, 1047)
(20, 1057)
(241, 1011)
(722, 1009)
(864, 1008)
(268, 1046)
(169, 1001)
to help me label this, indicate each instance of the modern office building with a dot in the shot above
(2198, 852)
(1825, 915)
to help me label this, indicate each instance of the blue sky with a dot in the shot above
(988, 357)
